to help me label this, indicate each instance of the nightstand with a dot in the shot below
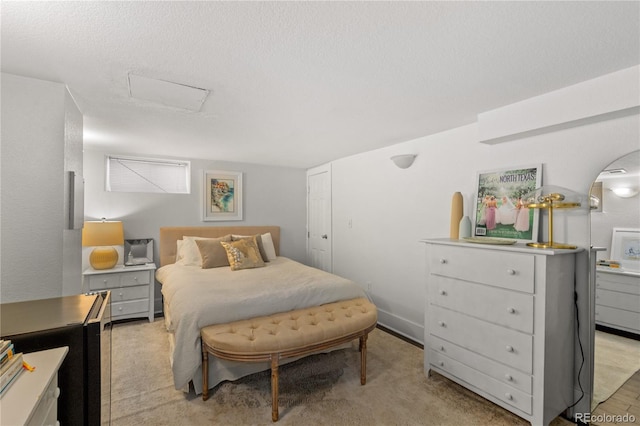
(132, 289)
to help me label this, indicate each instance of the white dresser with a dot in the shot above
(33, 398)
(499, 320)
(132, 289)
(618, 299)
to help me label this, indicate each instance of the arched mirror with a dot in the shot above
(615, 231)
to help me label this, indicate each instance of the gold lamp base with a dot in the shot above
(552, 245)
(103, 258)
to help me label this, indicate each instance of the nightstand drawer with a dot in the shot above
(129, 307)
(508, 308)
(129, 293)
(508, 270)
(134, 278)
(508, 394)
(498, 343)
(102, 282)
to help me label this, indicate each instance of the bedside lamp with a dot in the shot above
(103, 235)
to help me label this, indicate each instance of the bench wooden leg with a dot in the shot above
(205, 374)
(274, 387)
(363, 359)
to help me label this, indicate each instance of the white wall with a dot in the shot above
(272, 196)
(34, 251)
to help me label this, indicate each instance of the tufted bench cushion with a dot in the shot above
(289, 334)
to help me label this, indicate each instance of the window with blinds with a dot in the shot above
(130, 174)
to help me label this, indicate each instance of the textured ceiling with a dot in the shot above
(302, 83)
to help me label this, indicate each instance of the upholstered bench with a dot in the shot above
(289, 334)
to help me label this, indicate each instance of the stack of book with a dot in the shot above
(609, 263)
(10, 365)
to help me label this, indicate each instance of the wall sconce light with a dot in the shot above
(403, 161)
(624, 192)
(103, 235)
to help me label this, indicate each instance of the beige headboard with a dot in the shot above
(169, 236)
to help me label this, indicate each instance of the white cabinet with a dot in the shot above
(132, 289)
(618, 299)
(499, 320)
(33, 398)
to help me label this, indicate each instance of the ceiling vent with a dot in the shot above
(167, 93)
(614, 171)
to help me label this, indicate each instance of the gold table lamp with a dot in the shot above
(552, 199)
(103, 235)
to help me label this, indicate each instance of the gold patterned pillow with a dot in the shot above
(243, 254)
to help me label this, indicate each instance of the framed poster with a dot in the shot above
(625, 248)
(500, 210)
(222, 198)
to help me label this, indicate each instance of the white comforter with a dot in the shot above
(196, 297)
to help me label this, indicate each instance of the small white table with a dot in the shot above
(33, 398)
(132, 289)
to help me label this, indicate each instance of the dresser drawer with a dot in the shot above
(615, 282)
(498, 343)
(129, 293)
(503, 392)
(618, 317)
(502, 269)
(46, 411)
(508, 308)
(500, 372)
(614, 299)
(129, 307)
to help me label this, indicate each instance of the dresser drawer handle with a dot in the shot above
(135, 278)
(441, 323)
(509, 348)
(104, 281)
(441, 363)
(443, 293)
(443, 261)
(511, 271)
(120, 294)
(120, 308)
(508, 396)
(511, 310)
(442, 348)
(508, 377)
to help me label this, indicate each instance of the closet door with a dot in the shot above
(319, 217)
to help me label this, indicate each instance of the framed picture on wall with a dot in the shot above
(499, 210)
(625, 248)
(222, 198)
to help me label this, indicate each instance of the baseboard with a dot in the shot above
(401, 326)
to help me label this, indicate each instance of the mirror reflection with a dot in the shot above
(615, 229)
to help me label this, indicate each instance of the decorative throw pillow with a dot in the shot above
(243, 254)
(258, 239)
(212, 252)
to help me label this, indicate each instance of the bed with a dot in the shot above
(195, 297)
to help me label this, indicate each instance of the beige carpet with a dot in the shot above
(317, 390)
(616, 360)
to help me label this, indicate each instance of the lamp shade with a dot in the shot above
(103, 235)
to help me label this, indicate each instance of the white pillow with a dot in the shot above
(267, 243)
(188, 252)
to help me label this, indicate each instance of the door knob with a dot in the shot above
(325, 236)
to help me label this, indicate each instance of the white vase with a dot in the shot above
(464, 229)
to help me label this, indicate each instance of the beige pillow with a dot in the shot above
(212, 252)
(243, 254)
(265, 245)
(189, 254)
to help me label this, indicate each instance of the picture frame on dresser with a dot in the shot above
(138, 251)
(222, 195)
(625, 248)
(499, 209)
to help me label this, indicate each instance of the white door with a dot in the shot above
(319, 217)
